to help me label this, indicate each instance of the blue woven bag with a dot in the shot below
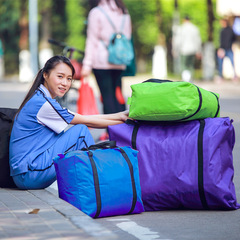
(102, 180)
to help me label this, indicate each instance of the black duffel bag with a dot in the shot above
(6, 121)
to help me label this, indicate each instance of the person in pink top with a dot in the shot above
(99, 31)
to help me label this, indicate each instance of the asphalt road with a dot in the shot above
(174, 225)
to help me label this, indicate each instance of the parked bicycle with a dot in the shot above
(69, 100)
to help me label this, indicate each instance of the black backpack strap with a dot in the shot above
(108, 18)
(110, 21)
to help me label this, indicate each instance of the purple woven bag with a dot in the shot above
(186, 165)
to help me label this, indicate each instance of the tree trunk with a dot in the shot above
(159, 59)
(45, 23)
(161, 39)
(175, 26)
(210, 20)
(208, 55)
(23, 24)
(25, 71)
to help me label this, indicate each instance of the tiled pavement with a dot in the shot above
(40, 214)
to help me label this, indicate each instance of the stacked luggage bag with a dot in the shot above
(179, 156)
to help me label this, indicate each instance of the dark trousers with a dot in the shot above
(187, 62)
(110, 85)
(229, 54)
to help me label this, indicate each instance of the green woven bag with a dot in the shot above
(164, 100)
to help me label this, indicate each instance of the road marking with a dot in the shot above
(141, 233)
(118, 219)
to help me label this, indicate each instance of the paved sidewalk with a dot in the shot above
(53, 217)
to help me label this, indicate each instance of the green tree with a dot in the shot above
(210, 20)
(154, 17)
(144, 24)
(58, 23)
(151, 22)
(9, 33)
(202, 14)
(65, 20)
(76, 23)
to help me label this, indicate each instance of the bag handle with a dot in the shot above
(101, 145)
(157, 80)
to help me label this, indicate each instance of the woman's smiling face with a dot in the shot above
(59, 80)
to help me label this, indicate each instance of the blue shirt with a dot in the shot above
(38, 125)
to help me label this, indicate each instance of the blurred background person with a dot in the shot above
(1, 61)
(187, 43)
(227, 38)
(99, 31)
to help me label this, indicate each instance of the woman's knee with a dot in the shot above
(83, 132)
(35, 179)
(75, 131)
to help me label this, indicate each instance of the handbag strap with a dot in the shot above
(113, 26)
(101, 145)
(110, 21)
(134, 201)
(200, 165)
(134, 132)
(96, 185)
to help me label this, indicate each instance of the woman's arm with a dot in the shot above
(100, 120)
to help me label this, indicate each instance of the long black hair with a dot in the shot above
(48, 67)
(119, 3)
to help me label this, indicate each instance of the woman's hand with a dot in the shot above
(85, 72)
(123, 116)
